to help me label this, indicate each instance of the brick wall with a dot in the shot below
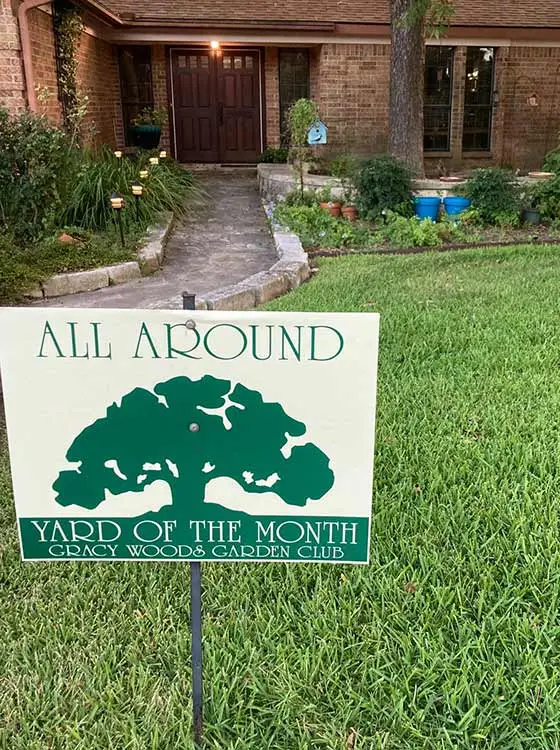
(353, 84)
(44, 63)
(98, 78)
(272, 97)
(12, 85)
(529, 132)
(160, 91)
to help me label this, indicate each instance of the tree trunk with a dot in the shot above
(406, 105)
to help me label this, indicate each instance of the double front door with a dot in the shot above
(216, 101)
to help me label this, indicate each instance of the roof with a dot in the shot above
(491, 13)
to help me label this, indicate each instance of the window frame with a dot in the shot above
(283, 106)
(131, 105)
(489, 107)
(440, 107)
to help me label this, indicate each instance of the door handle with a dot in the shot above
(220, 114)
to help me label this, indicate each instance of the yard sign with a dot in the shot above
(171, 435)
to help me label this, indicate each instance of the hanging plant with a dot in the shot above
(68, 27)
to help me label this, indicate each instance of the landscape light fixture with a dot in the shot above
(137, 191)
(117, 204)
(163, 154)
(143, 174)
(154, 160)
(118, 154)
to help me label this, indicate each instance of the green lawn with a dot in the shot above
(449, 639)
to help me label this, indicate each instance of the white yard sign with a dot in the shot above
(179, 435)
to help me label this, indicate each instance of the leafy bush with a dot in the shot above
(495, 194)
(317, 228)
(274, 156)
(405, 232)
(295, 198)
(546, 198)
(151, 116)
(382, 184)
(37, 166)
(552, 161)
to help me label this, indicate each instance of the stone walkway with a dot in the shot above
(220, 242)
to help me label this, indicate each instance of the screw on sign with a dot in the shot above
(211, 438)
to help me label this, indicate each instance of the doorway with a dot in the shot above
(216, 105)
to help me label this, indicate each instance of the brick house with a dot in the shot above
(227, 71)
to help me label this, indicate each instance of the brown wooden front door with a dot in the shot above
(216, 100)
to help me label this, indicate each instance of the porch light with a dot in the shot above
(117, 204)
(163, 154)
(214, 44)
(118, 154)
(154, 160)
(137, 191)
(143, 174)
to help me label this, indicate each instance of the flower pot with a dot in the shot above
(427, 207)
(455, 204)
(530, 216)
(333, 208)
(145, 136)
(350, 213)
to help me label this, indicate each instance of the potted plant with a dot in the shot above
(145, 130)
(349, 210)
(326, 202)
(530, 213)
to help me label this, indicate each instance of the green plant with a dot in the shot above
(546, 198)
(301, 115)
(274, 156)
(324, 194)
(166, 188)
(403, 232)
(151, 116)
(551, 161)
(68, 27)
(494, 192)
(295, 198)
(317, 228)
(38, 165)
(381, 184)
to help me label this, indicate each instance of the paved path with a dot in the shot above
(220, 242)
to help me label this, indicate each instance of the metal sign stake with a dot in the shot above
(196, 616)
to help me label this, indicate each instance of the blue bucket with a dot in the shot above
(455, 204)
(427, 207)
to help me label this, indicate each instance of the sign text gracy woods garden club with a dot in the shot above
(179, 435)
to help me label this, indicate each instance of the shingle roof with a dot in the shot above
(495, 13)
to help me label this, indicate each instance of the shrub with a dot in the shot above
(552, 161)
(494, 193)
(546, 198)
(295, 198)
(317, 228)
(405, 232)
(382, 184)
(37, 167)
(274, 156)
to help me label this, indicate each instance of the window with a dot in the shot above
(438, 91)
(479, 87)
(135, 68)
(293, 77)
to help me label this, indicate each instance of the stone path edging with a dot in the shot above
(291, 269)
(150, 259)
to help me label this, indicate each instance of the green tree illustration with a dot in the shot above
(187, 432)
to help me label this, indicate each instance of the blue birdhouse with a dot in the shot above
(317, 133)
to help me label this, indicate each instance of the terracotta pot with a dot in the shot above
(332, 207)
(350, 213)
